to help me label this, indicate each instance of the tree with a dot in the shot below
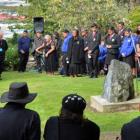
(61, 14)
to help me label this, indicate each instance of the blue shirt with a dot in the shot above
(65, 44)
(127, 47)
(24, 44)
(102, 54)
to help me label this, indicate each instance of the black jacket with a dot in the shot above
(4, 47)
(115, 42)
(131, 130)
(64, 129)
(76, 50)
(94, 42)
(18, 123)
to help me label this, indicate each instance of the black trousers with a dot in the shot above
(1, 64)
(38, 58)
(93, 65)
(65, 64)
(23, 59)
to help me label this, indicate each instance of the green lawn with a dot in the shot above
(51, 89)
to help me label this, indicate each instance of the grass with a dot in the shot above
(51, 89)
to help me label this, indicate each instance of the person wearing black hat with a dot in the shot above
(24, 44)
(71, 125)
(93, 50)
(3, 49)
(16, 122)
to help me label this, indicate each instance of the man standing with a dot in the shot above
(17, 122)
(84, 34)
(121, 30)
(93, 50)
(24, 44)
(64, 51)
(3, 48)
(38, 41)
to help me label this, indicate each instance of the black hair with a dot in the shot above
(94, 25)
(66, 114)
(121, 22)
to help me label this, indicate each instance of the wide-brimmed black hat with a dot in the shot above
(74, 103)
(18, 93)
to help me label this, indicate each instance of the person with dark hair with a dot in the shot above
(17, 122)
(3, 49)
(70, 124)
(113, 42)
(76, 54)
(102, 56)
(58, 43)
(38, 41)
(93, 50)
(121, 29)
(50, 54)
(64, 50)
(137, 55)
(84, 34)
(24, 44)
(127, 49)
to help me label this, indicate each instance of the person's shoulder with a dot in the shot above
(91, 125)
(31, 113)
(133, 123)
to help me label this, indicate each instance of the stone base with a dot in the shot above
(101, 105)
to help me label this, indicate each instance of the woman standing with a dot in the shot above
(3, 48)
(50, 54)
(113, 42)
(70, 124)
(127, 49)
(76, 54)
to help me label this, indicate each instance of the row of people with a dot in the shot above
(20, 123)
(79, 54)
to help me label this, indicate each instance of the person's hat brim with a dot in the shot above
(4, 98)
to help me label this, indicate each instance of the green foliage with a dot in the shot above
(134, 17)
(11, 59)
(60, 14)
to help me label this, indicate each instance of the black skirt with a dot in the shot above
(51, 63)
(129, 60)
(110, 57)
(75, 69)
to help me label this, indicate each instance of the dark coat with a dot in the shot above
(76, 50)
(4, 47)
(64, 129)
(94, 42)
(131, 130)
(115, 42)
(18, 123)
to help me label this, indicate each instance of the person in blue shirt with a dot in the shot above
(127, 49)
(24, 44)
(102, 55)
(64, 50)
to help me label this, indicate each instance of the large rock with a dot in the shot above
(118, 86)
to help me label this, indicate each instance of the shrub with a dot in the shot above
(11, 59)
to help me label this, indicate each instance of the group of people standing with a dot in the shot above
(79, 52)
(89, 52)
